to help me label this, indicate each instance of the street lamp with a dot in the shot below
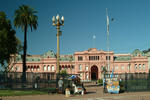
(57, 22)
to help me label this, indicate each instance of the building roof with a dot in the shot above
(122, 58)
(137, 52)
(49, 54)
(67, 58)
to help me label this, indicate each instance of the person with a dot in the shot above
(104, 85)
(60, 84)
(103, 82)
(83, 88)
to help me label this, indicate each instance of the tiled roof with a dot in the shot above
(67, 58)
(122, 58)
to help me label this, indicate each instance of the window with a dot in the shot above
(38, 68)
(128, 67)
(86, 68)
(48, 67)
(32, 69)
(116, 75)
(81, 76)
(107, 57)
(80, 58)
(135, 66)
(44, 67)
(80, 67)
(98, 57)
(93, 57)
(122, 67)
(140, 67)
(87, 76)
(17, 68)
(116, 67)
(72, 66)
(143, 66)
(53, 68)
(90, 57)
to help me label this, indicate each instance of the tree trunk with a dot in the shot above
(24, 53)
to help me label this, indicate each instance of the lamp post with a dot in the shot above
(57, 22)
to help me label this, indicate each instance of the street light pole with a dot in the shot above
(58, 23)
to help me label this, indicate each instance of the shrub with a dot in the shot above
(100, 81)
(122, 86)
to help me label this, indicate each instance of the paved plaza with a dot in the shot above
(93, 93)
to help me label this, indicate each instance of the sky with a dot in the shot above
(85, 25)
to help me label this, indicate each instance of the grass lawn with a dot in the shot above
(21, 92)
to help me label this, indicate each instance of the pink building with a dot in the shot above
(89, 64)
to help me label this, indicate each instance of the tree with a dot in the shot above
(63, 73)
(146, 51)
(25, 17)
(104, 71)
(9, 43)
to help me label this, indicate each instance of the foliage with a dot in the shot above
(104, 70)
(9, 43)
(100, 81)
(122, 86)
(25, 17)
(63, 73)
(146, 51)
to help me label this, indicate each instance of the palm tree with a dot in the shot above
(104, 71)
(25, 17)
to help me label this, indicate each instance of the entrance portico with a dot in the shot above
(94, 72)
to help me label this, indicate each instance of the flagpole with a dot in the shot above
(108, 60)
(94, 37)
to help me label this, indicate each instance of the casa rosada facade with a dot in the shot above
(88, 64)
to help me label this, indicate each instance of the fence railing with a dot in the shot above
(13, 80)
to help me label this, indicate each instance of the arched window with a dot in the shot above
(44, 68)
(140, 67)
(135, 66)
(80, 67)
(38, 69)
(48, 67)
(81, 76)
(86, 68)
(87, 76)
(53, 68)
(143, 66)
(32, 68)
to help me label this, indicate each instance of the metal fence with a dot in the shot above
(132, 81)
(13, 80)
